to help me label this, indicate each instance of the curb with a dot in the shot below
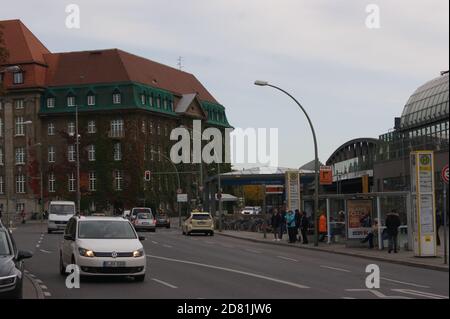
(36, 286)
(400, 262)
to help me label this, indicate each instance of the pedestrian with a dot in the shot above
(304, 225)
(276, 223)
(366, 221)
(297, 224)
(392, 225)
(283, 221)
(322, 227)
(438, 225)
(371, 234)
(290, 224)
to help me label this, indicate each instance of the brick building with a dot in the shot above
(127, 106)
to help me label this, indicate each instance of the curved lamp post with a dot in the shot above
(316, 159)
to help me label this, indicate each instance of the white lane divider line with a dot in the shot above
(39, 281)
(404, 283)
(164, 283)
(288, 283)
(378, 294)
(47, 294)
(334, 268)
(167, 246)
(347, 298)
(420, 293)
(44, 287)
(154, 242)
(37, 246)
(45, 251)
(31, 275)
(287, 258)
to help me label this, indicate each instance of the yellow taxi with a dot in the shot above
(198, 222)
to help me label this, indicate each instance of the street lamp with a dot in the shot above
(316, 158)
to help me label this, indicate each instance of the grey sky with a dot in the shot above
(353, 80)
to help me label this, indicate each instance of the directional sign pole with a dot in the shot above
(444, 176)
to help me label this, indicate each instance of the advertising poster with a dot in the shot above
(357, 209)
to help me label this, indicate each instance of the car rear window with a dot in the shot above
(105, 229)
(143, 216)
(201, 216)
(141, 210)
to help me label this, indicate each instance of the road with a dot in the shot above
(200, 267)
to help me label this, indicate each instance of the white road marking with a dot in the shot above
(404, 283)
(164, 283)
(37, 246)
(45, 251)
(47, 294)
(154, 242)
(378, 294)
(232, 270)
(287, 258)
(26, 271)
(32, 276)
(44, 287)
(39, 281)
(334, 268)
(253, 251)
(420, 293)
(347, 298)
(167, 246)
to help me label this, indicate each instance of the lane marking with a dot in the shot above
(45, 251)
(167, 246)
(287, 258)
(404, 283)
(44, 287)
(420, 293)
(39, 281)
(347, 298)
(47, 294)
(37, 246)
(288, 283)
(334, 268)
(32, 276)
(154, 242)
(378, 294)
(164, 283)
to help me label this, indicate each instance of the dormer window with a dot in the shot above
(18, 78)
(71, 101)
(117, 98)
(150, 100)
(158, 102)
(143, 99)
(91, 99)
(50, 102)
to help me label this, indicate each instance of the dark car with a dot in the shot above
(162, 220)
(11, 266)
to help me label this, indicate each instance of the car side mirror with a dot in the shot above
(142, 238)
(68, 237)
(24, 254)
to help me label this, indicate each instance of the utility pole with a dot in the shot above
(219, 193)
(77, 139)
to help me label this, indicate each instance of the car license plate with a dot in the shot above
(145, 223)
(113, 264)
(201, 223)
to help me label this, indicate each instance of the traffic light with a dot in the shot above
(147, 176)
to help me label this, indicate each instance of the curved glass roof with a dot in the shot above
(428, 103)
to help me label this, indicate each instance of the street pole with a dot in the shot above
(78, 159)
(445, 223)
(264, 212)
(316, 160)
(219, 185)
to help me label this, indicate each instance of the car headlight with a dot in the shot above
(138, 253)
(7, 281)
(86, 252)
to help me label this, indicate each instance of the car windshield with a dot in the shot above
(4, 246)
(59, 209)
(143, 216)
(201, 216)
(105, 229)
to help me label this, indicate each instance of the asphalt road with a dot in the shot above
(193, 267)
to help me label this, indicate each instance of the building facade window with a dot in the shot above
(150, 100)
(166, 130)
(20, 207)
(150, 128)
(1, 155)
(118, 180)
(71, 182)
(20, 156)
(158, 129)
(71, 101)
(91, 153)
(71, 128)
(2, 185)
(50, 102)
(117, 152)
(91, 100)
(51, 183)
(91, 127)
(20, 184)
(18, 78)
(1, 127)
(71, 153)
(19, 104)
(50, 129)
(117, 98)
(143, 99)
(159, 153)
(92, 181)
(117, 128)
(158, 102)
(143, 128)
(51, 154)
(152, 152)
(20, 126)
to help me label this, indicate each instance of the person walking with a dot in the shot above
(392, 225)
(322, 227)
(275, 223)
(290, 224)
(304, 225)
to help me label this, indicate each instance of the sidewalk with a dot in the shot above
(403, 257)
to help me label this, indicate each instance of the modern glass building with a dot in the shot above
(423, 125)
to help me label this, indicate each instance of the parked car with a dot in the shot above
(144, 221)
(11, 266)
(162, 220)
(251, 210)
(198, 222)
(59, 214)
(103, 246)
(136, 210)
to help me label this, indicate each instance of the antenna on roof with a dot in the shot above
(180, 60)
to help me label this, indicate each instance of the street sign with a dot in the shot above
(444, 174)
(147, 176)
(179, 191)
(326, 175)
(182, 198)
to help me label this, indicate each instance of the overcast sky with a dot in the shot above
(352, 80)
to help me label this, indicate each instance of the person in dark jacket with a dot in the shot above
(304, 225)
(392, 225)
(290, 224)
(276, 224)
(297, 224)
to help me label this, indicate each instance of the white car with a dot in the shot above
(59, 214)
(102, 246)
(250, 210)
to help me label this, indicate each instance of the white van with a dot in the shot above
(59, 213)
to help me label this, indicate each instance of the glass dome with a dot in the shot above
(428, 103)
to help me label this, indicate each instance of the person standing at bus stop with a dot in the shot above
(392, 224)
(322, 227)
